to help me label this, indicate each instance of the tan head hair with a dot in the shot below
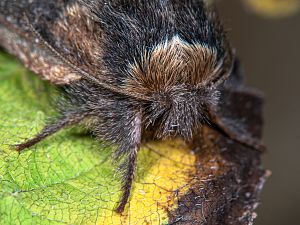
(172, 63)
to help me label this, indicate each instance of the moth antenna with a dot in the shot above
(219, 78)
(230, 64)
(77, 69)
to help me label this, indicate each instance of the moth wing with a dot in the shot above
(236, 78)
(236, 101)
(64, 25)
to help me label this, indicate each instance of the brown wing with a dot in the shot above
(63, 24)
(236, 101)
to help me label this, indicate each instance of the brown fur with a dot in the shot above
(174, 63)
(79, 34)
(144, 66)
(36, 59)
(79, 41)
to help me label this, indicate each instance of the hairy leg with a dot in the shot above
(129, 177)
(67, 120)
(131, 163)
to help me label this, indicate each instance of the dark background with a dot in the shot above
(269, 50)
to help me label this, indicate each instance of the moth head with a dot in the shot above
(180, 110)
(181, 80)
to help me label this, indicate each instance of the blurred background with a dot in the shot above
(268, 44)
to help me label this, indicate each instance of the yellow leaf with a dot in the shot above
(156, 191)
(70, 179)
(274, 8)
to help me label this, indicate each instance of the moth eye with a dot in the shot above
(173, 126)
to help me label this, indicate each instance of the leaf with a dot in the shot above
(68, 178)
(274, 8)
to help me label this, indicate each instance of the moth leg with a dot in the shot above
(50, 129)
(237, 134)
(131, 163)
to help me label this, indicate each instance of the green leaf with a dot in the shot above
(69, 178)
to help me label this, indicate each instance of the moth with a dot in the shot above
(131, 70)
